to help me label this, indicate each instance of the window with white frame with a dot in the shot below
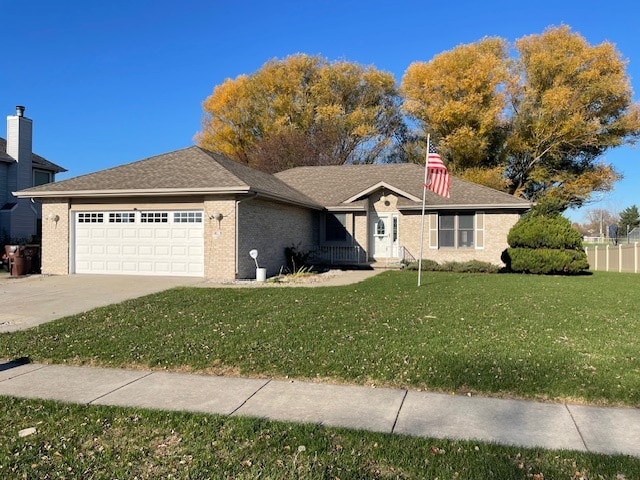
(90, 217)
(187, 217)
(456, 230)
(122, 217)
(154, 217)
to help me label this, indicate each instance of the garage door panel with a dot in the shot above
(162, 250)
(163, 267)
(180, 267)
(136, 248)
(98, 249)
(179, 250)
(146, 267)
(82, 265)
(83, 250)
(113, 265)
(181, 233)
(129, 250)
(98, 265)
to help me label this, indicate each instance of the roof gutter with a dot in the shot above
(127, 193)
(162, 191)
(480, 206)
(347, 208)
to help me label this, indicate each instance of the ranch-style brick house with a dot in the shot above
(193, 212)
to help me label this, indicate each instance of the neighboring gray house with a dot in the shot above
(20, 168)
(196, 213)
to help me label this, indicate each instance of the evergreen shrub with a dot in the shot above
(545, 261)
(472, 266)
(545, 244)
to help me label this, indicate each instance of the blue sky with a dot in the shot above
(111, 82)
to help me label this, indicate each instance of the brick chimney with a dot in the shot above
(19, 145)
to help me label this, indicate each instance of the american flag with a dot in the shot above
(438, 179)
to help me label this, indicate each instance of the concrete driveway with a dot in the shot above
(32, 300)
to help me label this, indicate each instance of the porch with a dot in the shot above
(355, 255)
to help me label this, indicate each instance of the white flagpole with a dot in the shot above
(424, 196)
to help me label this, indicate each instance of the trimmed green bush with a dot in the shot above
(542, 231)
(545, 244)
(472, 266)
(545, 260)
(427, 266)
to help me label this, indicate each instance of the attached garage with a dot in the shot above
(169, 242)
(190, 212)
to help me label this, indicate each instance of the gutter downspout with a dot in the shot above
(237, 259)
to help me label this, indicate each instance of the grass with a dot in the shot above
(540, 337)
(93, 442)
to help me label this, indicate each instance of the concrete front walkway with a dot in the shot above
(422, 414)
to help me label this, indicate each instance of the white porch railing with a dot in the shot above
(405, 255)
(335, 254)
(331, 255)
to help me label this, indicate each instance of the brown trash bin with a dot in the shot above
(19, 267)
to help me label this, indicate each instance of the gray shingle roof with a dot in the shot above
(198, 171)
(190, 170)
(37, 160)
(331, 186)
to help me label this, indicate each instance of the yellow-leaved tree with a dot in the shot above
(537, 124)
(458, 96)
(304, 110)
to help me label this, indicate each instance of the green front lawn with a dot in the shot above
(541, 337)
(93, 442)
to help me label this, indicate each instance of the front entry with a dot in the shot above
(383, 235)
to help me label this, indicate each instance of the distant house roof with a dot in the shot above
(191, 170)
(37, 160)
(343, 186)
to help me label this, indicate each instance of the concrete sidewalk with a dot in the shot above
(508, 422)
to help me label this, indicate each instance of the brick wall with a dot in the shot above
(271, 227)
(496, 229)
(55, 237)
(220, 239)
(266, 226)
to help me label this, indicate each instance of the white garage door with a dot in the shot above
(140, 243)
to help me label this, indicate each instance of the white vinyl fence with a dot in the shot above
(614, 258)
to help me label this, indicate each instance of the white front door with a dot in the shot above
(383, 230)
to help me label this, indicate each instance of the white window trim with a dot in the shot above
(456, 231)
